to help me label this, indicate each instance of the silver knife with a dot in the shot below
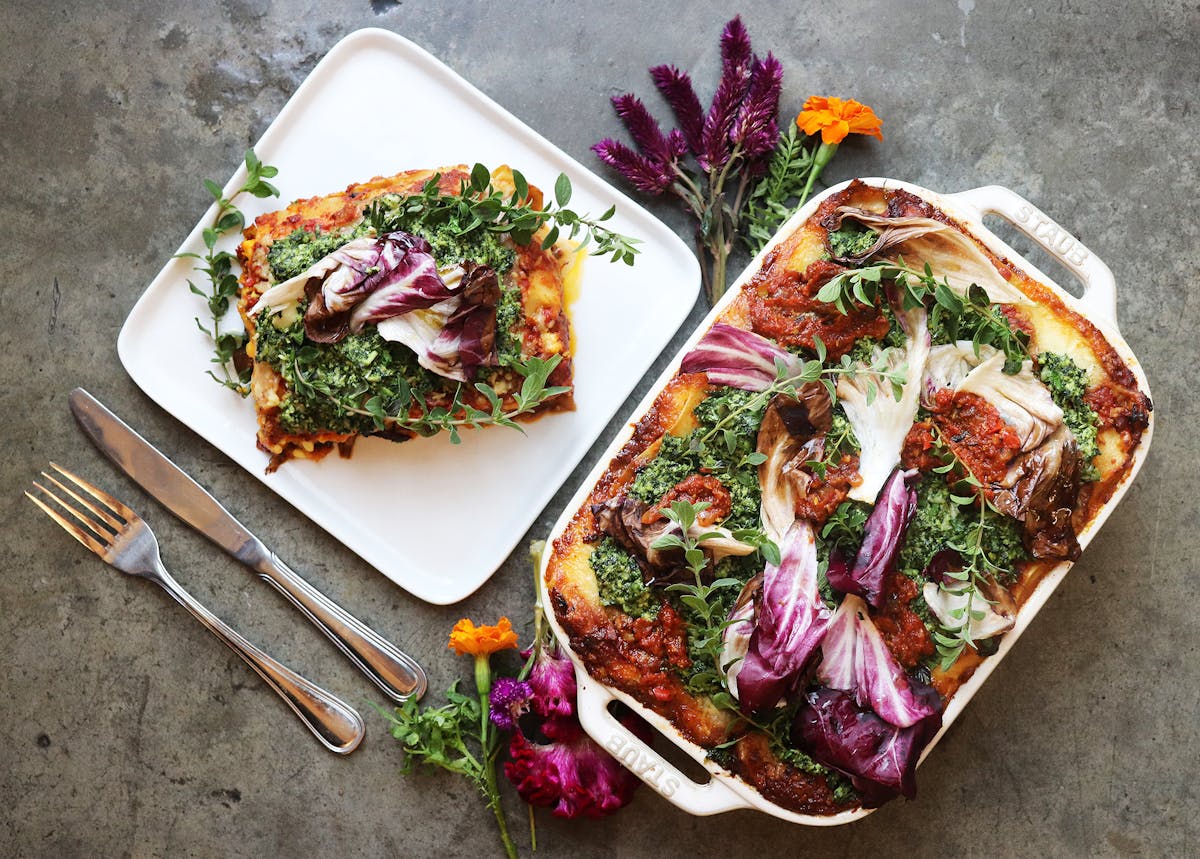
(392, 670)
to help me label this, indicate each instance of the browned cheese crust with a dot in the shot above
(545, 328)
(643, 658)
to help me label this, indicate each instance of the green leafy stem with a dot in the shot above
(481, 205)
(218, 270)
(978, 567)
(957, 316)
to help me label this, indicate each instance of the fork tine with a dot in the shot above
(82, 518)
(70, 527)
(114, 524)
(99, 494)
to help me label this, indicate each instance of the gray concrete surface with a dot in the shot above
(126, 730)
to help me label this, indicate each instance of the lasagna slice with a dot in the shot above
(377, 311)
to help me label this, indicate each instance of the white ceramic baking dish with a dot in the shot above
(724, 791)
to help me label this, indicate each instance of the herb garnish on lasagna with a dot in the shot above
(834, 511)
(407, 306)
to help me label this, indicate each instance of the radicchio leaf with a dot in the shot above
(881, 421)
(854, 658)
(790, 621)
(791, 433)
(952, 254)
(882, 537)
(732, 356)
(468, 339)
(406, 279)
(880, 759)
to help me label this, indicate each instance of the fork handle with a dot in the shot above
(388, 667)
(334, 722)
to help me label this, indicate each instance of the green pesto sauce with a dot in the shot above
(323, 379)
(722, 456)
(1067, 382)
(619, 580)
(851, 239)
(509, 314)
(938, 522)
(297, 251)
(318, 376)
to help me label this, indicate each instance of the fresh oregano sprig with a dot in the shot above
(479, 204)
(218, 269)
(970, 316)
(978, 567)
(405, 409)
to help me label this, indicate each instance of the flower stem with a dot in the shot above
(823, 156)
(488, 745)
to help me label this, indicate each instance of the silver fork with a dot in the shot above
(123, 540)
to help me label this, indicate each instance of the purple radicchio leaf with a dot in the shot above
(640, 171)
(756, 127)
(676, 88)
(735, 76)
(882, 536)
(854, 658)
(789, 625)
(405, 278)
(732, 356)
(880, 759)
(468, 339)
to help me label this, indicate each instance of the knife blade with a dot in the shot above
(392, 670)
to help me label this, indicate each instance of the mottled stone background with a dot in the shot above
(126, 730)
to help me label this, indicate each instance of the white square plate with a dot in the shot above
(435, 518)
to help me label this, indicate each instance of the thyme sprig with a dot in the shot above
(404, 408)
(952, 316)
(218, 269)
(978, 568)
(706, 604)
(480, 205)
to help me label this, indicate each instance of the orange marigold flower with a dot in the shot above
(835, 119)
(467, 638)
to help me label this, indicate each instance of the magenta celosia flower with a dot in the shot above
(509, 700)
(735, 78)
(573, 778)
(640, 171)
(756, 127)
(676, 88)
(552, 679)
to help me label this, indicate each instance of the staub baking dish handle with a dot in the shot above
(714, 797)
(1099, 297)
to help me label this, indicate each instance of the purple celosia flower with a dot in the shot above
(640, 171)
(645, 131)
(509, 700)
(756, 127)
(735, 77)
(676, 88)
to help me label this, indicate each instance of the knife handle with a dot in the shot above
(388, 667)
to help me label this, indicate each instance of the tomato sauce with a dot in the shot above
(902, 630)
(825, 494)
(696, 489)
(974, 430)
(783, 306)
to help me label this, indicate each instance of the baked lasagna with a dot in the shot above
(833, 512)
(387, 310)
